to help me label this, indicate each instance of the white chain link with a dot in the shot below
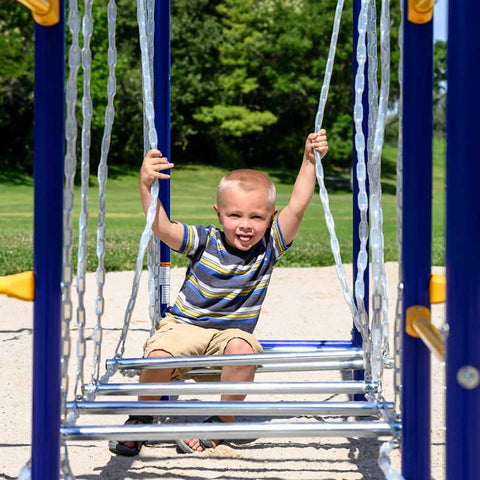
(400, 290)
(74, 60)
(154, 244)
(379, 294)
(87, 111)
(320, 172)
(149, 115)
(102, 181)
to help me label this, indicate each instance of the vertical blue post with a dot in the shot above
(162, 123)
(462, 241)
(48, 236)
(416, 240)
(356, 337)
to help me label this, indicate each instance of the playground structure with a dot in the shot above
(462, 357)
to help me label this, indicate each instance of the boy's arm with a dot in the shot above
(291, 216)
(170, 233)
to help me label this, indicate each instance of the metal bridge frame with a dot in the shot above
(462, 233)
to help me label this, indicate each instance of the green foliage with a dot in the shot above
(245, 80)
(439, 87)
(16, 87)
(236, 120)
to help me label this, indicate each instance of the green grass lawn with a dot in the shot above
(192, 196)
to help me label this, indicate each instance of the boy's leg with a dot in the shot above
(158, 375)
(240, 373)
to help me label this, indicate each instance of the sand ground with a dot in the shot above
(302, 303)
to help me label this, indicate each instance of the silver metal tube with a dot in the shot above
(165, 432)
(221, 360)
(291, 367)
(207, 388)
(271, 409)
(293, 349)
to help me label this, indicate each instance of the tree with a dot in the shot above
(246, 77)
(439, 86)
(272, 59)
(16, 87)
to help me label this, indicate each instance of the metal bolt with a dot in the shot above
(468, 377)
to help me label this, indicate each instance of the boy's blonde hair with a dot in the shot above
(247, 180)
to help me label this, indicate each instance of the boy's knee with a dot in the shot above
(238, 346)
(159, 354)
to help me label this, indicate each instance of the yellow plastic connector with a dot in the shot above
(418, 324)
(19, 285)
(45, 12)
(412, 313)
(437, 288)
(420, 11)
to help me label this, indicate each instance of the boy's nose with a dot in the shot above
(244, 224)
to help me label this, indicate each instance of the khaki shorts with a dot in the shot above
(182, 339)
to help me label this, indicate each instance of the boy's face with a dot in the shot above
(244, 216)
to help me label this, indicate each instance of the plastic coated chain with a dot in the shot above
(151, 134)
(102, 174)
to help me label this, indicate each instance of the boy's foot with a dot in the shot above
(201, 444)
(130, 449)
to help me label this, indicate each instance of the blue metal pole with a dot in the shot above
(48, 235)
(356, 337)
(462, 240)
(162, 123)
(416, 240)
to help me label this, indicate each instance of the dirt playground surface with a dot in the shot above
(302, 303)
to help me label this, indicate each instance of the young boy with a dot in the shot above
(219, 302)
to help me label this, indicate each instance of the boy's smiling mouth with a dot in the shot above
(244, 237)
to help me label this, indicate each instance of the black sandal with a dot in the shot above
(206, 443)
(119, 448)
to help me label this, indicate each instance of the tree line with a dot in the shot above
(245, 81)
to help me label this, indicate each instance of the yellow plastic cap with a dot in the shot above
(437, 288)
(19, 285)
(412, 314)
(420, 11)
(45, 12)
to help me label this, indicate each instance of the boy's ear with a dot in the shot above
(273, 216)
(217, 211)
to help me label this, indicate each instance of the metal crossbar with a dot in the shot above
(235, 388)
(271, 409)
(288, 367)
(164, 432)
(249, 359)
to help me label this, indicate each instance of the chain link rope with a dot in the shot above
(145, 33)
(87, 112)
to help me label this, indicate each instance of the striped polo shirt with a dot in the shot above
(225, 287)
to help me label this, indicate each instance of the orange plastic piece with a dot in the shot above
(420, 11)
(418, 324)
(437, 288)
(412, 313)
(19, 285)
(46, 13)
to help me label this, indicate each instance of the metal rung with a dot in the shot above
(164, 432)
(249, 359)
(273, 409)
(304, 345)
(290, 367)
(181, 388)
